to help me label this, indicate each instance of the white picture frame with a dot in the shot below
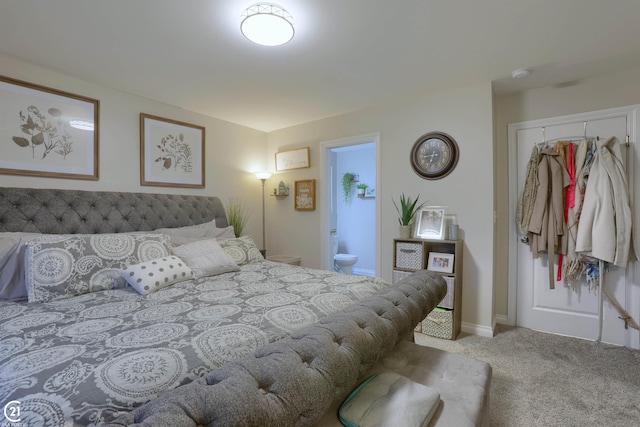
(293, 159)
(441, 262)
(430, 223)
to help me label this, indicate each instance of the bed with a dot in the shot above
(91, 346)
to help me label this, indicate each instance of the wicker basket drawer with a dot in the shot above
(409, 255)
(447, 301)
(399, 275)
(439, 324)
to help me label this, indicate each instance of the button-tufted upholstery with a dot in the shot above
(292, 382)
(92, 212)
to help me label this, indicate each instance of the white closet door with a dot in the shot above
(562, 310)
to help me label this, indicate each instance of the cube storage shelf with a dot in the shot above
(411, 255)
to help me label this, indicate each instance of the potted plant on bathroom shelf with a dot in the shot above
(406, 212)
(361, 187)
(347, 179)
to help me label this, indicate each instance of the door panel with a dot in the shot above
(563, 310)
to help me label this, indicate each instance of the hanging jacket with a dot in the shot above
(528, 197)
(604, 229)
(573, 266)
(548, 230)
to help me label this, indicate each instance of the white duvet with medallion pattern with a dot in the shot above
(84, 360)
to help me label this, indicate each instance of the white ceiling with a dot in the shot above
(346, 54)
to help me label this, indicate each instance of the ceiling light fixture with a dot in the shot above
(520, 73)
(267, 24)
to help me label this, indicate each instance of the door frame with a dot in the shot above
(325, 164)
(632, 114)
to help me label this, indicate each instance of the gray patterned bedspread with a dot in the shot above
(87, 359)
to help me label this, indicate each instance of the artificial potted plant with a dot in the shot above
(406, 212)
(237, 216)
(347, 179)
(361, 187)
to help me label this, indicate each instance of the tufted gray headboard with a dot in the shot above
(92, 212)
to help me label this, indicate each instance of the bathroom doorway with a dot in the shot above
(352, 221)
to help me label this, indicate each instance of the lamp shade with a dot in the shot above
(263, 175)
(267, 24)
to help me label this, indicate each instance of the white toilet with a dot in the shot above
(341, 262)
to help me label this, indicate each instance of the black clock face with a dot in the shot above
(434, 155)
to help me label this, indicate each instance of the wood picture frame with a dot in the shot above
(48, 132)
(430, 223)
(441, 262)
(171, 153)
(293, 159)
(305, 195)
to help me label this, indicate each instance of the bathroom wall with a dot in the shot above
(356, 219)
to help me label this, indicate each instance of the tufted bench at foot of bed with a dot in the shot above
(294, 381)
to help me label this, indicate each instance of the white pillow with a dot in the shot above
(149, 276)
(190, 233)
(206, 258)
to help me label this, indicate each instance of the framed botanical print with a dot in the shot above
(305, 195)
(171, 153)
(47, 132)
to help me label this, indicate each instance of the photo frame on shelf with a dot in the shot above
(48, 132)
(369, 192)
(441, 262)
(305, 195)
(293, 159)
(430, 222)
(171, 153)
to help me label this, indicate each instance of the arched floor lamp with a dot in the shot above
(263, 176)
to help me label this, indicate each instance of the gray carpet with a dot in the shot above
(542, 379)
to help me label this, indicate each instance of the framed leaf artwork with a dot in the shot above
(47, 132)
(171, 153)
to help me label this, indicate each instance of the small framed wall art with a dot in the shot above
(430, 223)
(171, 153)
(293, 159)
(48, 132)
(305, 195)
(441, 262)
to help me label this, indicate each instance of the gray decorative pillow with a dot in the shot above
(242, 249)
(149, 276)
(12, 285)
(61, 267)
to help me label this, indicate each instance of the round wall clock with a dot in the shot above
(434, 155)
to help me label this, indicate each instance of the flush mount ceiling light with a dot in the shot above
(267, 24)
(520, 73)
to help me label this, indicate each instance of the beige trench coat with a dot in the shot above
(547, 228)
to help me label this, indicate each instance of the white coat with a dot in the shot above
(604, 229)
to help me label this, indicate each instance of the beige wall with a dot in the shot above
(232, 152)
(609, 91)
(465, 114)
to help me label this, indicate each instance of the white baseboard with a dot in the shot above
(501, 319)
(471, 328)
